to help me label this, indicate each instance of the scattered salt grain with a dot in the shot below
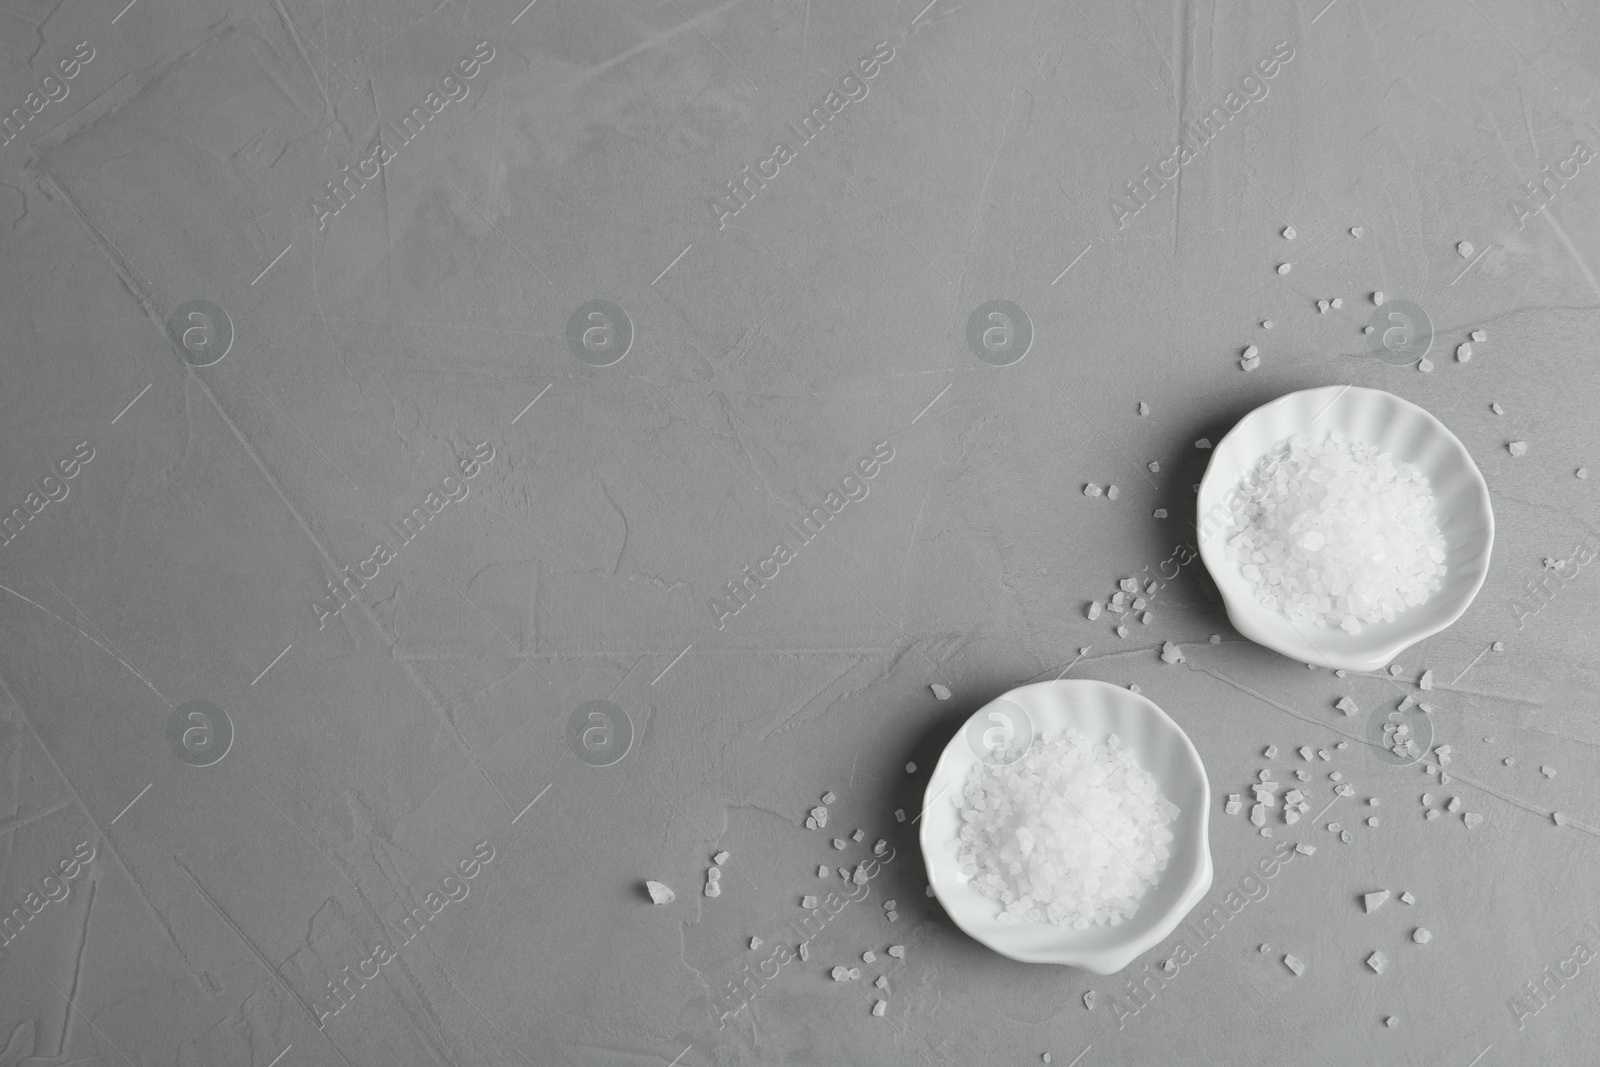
(1547, 771)
(808, 902)
(1340, 673)
(1347, 706)
(882, 982)
(805, 951)
(1251, 351)
(880, 1007)
(1472, 819)
(811, 822)
(1294, 965)
(1344, 835)
(1322, 307)
(897, 951)
(858, 835)
(1091, 490)
(1464, 352)
(1376, 900)
(1270, 751)
(1496, 408)
(1338, 302)
(1518, 448)
(1333, 827)
(841, 974)
(838, 842)
(1421, 935)
(1391, 1022)
(1334, 776)
(1582, 472)
(1479, 335)
(1465, 248)
(1510, 761)
(1289, 233)
(868, 956)
(1111, 492)
(1377, 961)
(1088, 1000)
(1155, 466)
(822, 870)
(1454, 805)
(714, 874)
(820, 814)
(1144, 409)
(1233, 805)
(1373, 822)
(1285, 268)
(1306, 850)
(1431, 814)
(1425, 365)
(1215, 639)
(660, 892)
(1377, 298)
(755, 943)
(1203, 443)
(1407, 898)
(1267, 324)
(899, 814)
(1170, 653)
(940, 692)
(713, 889)
(911, 768)
(1426, 681)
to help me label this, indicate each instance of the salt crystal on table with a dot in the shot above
(1407, 898)
(1518, 448)
(828, 797)
(888, 905)
(1285, 268)
(1377, 298)
(1046, 1057)
(714, 874)
(899, 814)
(859, 835)
(1376, 900)
(1322, 753)
(840, 974)
(1472, 819)
(1267, 324)
(805, 951)
(1233, 805)
(882, 982)
(1425, 364)
(1454, 805)
(1373, 822)
(1342, 744)
(838, 842)
(940, 692)
(1305, 752)
(1160, 513)
(1215, 639)
(1421, 935)
(1088, 1000)
(868, 956)
(720, 858)
(811, 822)
(880, 847)
(1432, 813)
(809, 901)
(1391, 1022)
(1497, 409)
(1547, 771)
(897, 951)
(1144, 409)
(1155, 466)
(660, 892)
(1322, 307)
(1426, 681)
(1258, 814)
(1091, 490)
(1264, 775)
(1203, 443)
(855, 972)
(822, 871)
(1377, 961)
(911, 768)
(1122, 631)
(1357, 231)
(1338, 302)
(1333, 827)
(713, 889)
(1271, 751)
(859, 877)
(1111, 492)
(1334, 776)
(1372, 802)
(1170, 653)
(1582, 472)
(891, 915)
(1340, 673)
(1306, 850)
(1479, 335)
(1289, 233)
(1303, 776)
(880, 1007)
(820, 814)
(1464, 352)
(1427, 798)
(755, 943)
(1465, 248)
(1294, 965)
(1344, 835)
(1347, 706)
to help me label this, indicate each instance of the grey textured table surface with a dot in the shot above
(300, 662)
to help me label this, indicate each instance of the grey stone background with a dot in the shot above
(435, 720)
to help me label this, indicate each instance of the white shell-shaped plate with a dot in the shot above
(1096, 709)
(1461, 503)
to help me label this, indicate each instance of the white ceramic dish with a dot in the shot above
(1461, 501)
(1096, 709)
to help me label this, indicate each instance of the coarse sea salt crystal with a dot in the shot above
(1336, 533)
(897, 951)
(1285, 268)
(660, 892)
(1091, 490)
(1377, 961)
(1073, 833)
(1421, 935)
(1294, 965)
(1376, 900)
(1518, 448)
(1479, 335)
